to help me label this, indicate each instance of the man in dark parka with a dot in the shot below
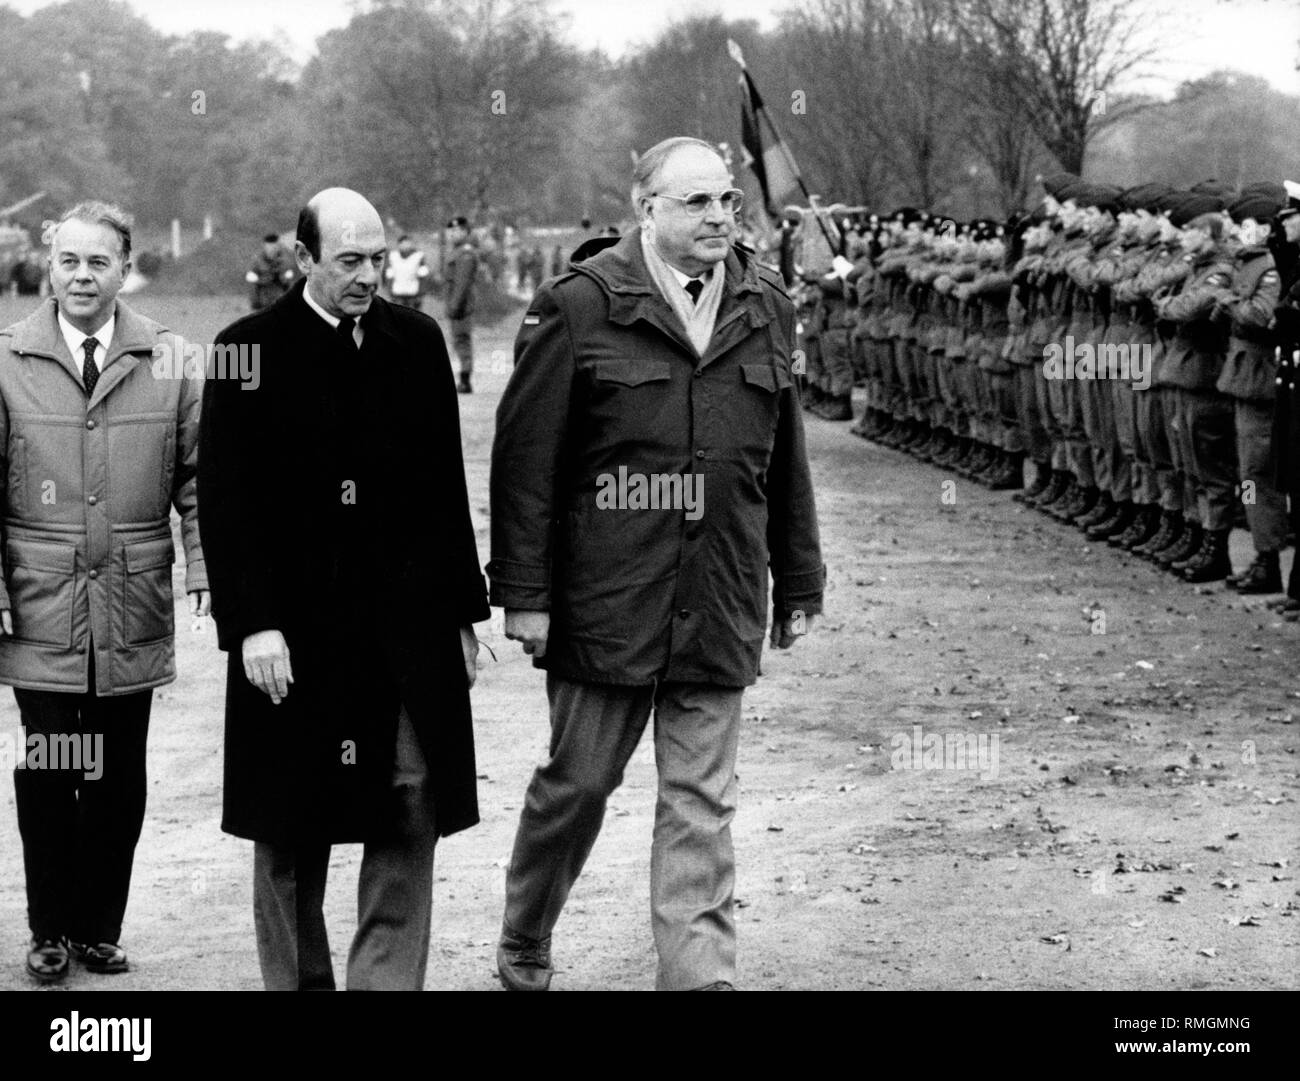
(658, 367)
(345, 583)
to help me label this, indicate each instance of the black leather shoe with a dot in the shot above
(716, 985)
(524, 963)
(47, 959)
(106, 958)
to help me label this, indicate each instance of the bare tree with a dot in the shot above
(1063, 59)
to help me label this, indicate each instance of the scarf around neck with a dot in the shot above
(697, 318)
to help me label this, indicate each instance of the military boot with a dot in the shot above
(1042, 478)
(836, 407)
(1011, 473)
(1086, 503)
(1171, 528)
(1211, 563)
(1145, 525)
(1067, 495)
(1264, 575)
(1178, 558)
(1056, 486)
(1104, 509)
(1114, 523)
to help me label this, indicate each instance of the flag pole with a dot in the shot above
(739, 57)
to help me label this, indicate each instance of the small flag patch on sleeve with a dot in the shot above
(531, 319)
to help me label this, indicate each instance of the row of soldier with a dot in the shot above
(1125, 357)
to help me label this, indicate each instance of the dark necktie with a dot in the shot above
(89, 372)
(695, 287)
(344, 331)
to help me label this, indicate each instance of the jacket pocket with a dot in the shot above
(631, 373)
(42, 590)
(148, 612)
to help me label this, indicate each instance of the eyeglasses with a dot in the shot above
(698, 202)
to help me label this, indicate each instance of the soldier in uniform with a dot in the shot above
(1192, 362)
(271, 274)
(1286, 419)
(1249, 379)
(461, 275)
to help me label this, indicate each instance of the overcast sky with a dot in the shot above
(1259, 36)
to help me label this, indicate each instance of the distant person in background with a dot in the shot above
(461, 273)
(271, 274)
(536, 269)
(406, 272)
(557, 261)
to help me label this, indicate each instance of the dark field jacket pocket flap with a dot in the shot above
(632, 373)
(764, 376)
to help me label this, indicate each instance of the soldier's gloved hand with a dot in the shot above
(530, 629)
(266, 664)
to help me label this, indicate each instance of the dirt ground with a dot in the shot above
(1137, 828)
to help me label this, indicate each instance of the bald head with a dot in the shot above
(340, 249)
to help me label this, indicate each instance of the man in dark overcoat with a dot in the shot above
(345, 583)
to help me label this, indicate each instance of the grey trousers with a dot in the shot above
(594, 730)
(390, 950)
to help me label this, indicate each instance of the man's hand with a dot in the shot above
(469, 650)
(200, 603)
(6, 621)
(785, 631)
(530, 629)
(266, 664)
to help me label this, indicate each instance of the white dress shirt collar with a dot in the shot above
(682, 279)
(74, 339)
(332, 320)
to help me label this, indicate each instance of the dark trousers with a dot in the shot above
(594, 730)
(390, 951)
(79, 826)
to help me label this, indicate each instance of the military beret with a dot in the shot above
(1261, 207)
(1220, 188)
(1054, 183)
(1191, 205)
(1270, 188)
(1149, 197)
(458, 222)
(1101, 196)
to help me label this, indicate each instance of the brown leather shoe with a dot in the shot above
(106, 958)
(47, 959)
(524, 963)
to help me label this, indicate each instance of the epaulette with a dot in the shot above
(772, 278)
